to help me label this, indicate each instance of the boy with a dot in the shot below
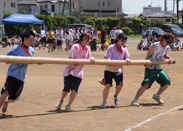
(17, 71)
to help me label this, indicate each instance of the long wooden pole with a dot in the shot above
(44, 60)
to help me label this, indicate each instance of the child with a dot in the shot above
(157, 51)
(17, 71)
(117, 51)
(73, 74)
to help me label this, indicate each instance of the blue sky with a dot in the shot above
(136, 6)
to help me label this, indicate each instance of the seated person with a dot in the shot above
(13, 40)
(176, 45)
(181, 46)
(140, 45)
(37, 41)
(147, 45)
(4, 42)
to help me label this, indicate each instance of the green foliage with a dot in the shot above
(71, 19)
(90, 22)
(112, 22)
(22, 11)
(99, 23)
(137, 23)
(156, 23)
(174, 20)
(84, 18)
(127, 31)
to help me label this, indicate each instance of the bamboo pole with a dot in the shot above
(45, 60)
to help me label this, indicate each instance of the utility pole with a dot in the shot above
(69, 7)
(177, 9)
(63, 8)
(59, 6)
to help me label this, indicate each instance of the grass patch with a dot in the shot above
(139, 36)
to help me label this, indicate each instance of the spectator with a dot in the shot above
(147, 45)
(176, 46)
(140, 45)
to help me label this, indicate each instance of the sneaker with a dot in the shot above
(116, 100)
(103, 105)
(59, 104)
(68, 108)
(4, 109)
(158, 99)
(135, 103)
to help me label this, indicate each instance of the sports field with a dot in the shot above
(36, 108)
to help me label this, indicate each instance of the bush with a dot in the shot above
(90, 22)
(127, 30)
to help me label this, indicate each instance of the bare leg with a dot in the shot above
(3, 97)
(64, 94)
(162, 89)
(72, 97)
(118, 89)
(141, 90)
(106, 92)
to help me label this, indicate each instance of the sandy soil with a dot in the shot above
(35, 110)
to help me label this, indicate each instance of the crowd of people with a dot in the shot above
(79, 48)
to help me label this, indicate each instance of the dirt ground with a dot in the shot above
(36, 108)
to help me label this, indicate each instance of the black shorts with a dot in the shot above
(71, 83)
(59, 42)
(14, 87)
(50, 41)
(118, 77)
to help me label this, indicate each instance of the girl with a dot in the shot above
(117, 51)
(73, 74)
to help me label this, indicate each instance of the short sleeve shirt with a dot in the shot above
(77, 52)
(18, 70)
(113, 54)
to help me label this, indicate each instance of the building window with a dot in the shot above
(52, 8)
(98, 3)
(103, 3)
(109, 3)
(45, 6)
(13, 5)
(4, 4)
(74, 5)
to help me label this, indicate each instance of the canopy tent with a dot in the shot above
(21, 19)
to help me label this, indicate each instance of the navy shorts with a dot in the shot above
(71, 83)
(14, 87)
(118, 77)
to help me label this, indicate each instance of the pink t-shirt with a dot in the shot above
(114, 54)
(77, 52)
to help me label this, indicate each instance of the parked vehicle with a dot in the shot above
(155, 31)
(175, 29)
(77, 25)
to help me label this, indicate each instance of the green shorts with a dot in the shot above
(157, 75)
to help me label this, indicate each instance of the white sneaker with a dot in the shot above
(59, 104)
(5, 106)
(103, 105)
(135, 103)
(68, 108)
(116, 100)
(158, 99)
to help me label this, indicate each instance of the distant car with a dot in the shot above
(76, 25)
(174, 29)
(155, 31)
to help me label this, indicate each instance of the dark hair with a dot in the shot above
(121, 36)
(169, 37)
(82, 36)
(27, 33)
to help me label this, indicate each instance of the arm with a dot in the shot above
(166, 56)
(149, 54)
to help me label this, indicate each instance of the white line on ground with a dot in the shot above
(150, 119)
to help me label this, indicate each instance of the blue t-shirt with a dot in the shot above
(18, 70)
